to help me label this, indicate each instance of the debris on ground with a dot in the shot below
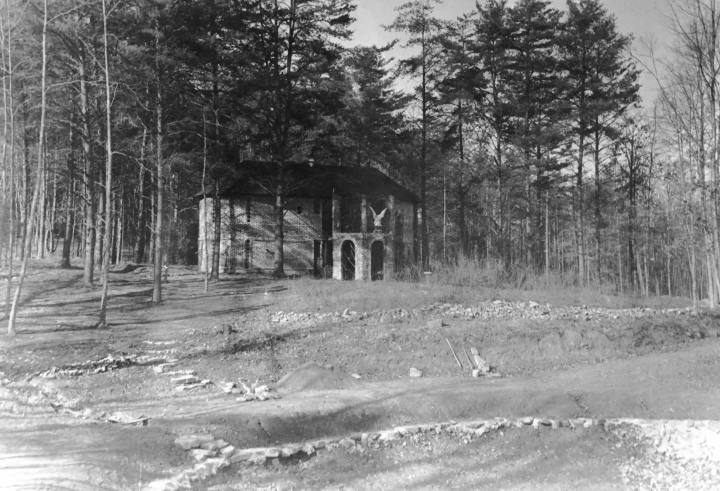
(186, 379)
(481, 365)
(415, 372)
(438, 313)
(127, 419)
(452, 350)
(193, 385)
(254, 392)
(102, 365)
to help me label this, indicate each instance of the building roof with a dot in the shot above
(306, 180)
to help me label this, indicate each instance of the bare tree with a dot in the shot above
(27, 239)
(108, 178)
(9, 116)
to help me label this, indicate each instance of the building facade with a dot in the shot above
(339, 222)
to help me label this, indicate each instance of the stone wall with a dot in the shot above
(247, 234)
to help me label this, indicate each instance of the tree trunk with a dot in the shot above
(579, 214)
(206, 257)
(107, 248)
(217, 223)
(141, 234)
(158, 265)
(279, 260)
(10, 116)
(40, 162)
(69, 214)
(88, 182)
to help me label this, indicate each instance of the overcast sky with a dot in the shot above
(644, 19)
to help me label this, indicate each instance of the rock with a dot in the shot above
(272, 453)
(245, 454)
(289, 451)
(356, 376)
(228, 387)
(257, 459)
(481, 365)
(415, 372)
(192, 386)
(227, 451)
(387, 436)
(308, 449)
(127, 419)
(185, 380)
(214, 444)
(319, 444)
(201, 453)
(347, 443)
(187, 442)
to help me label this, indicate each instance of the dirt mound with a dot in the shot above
(312, 376)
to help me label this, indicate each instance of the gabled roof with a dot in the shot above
(305, 180)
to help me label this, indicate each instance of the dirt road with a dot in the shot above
(55, 431)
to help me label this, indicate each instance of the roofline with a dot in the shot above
(237, 174)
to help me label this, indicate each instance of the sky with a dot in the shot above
(646, 20)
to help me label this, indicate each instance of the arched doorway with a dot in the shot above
(348, 260)
(377, 260)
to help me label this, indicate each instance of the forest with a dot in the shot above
(519, 125)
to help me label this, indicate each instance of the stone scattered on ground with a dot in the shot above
(248, 393)
(260, 393)
(481, 365)
(186, 379)
(127, 419)
(674, 454)
(491, 310)
(89, 367)
(415, 372)
(192, 386)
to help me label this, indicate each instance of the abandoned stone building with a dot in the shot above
(342, 222)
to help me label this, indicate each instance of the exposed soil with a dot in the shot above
(60, 378)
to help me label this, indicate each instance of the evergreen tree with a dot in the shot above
(537, 110)
(602, 81)
(285, 79)
(415, 18)
(372, 119)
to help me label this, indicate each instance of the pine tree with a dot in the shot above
(415, 18)
(285, 82)
(371, 118)
(602, 81)
(537, 110)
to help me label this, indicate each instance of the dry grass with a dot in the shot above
(466, 282)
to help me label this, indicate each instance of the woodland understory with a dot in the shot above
(518, 125)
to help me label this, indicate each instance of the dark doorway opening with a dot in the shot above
(327, 259)
(348, 260)
(317, 257)
(377, 260)
(248, 254)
